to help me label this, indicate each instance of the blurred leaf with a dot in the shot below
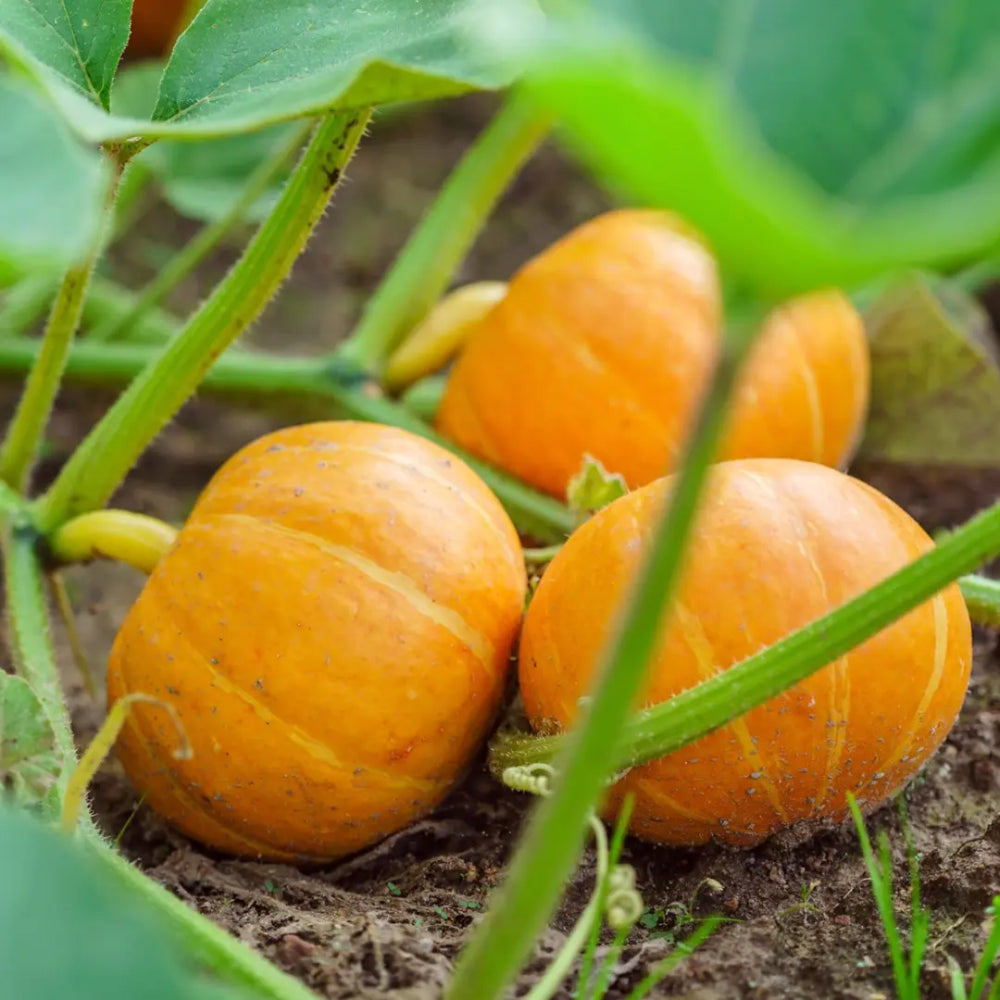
(29, 762)
(245, 64)
(53, 188)
(80, 43)
(593, 487)
(67, 930)
(935, 378)
(200, 179)
(135, 89)
(918, 115)
(883, 153)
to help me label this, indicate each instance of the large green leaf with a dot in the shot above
(812, 143)
(245, 64)
(67, 930)
(872, 101)
(53, 187)
(80, 42)
(201, 179)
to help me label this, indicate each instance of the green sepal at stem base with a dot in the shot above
(305, 389)
(712, 703)
(432, 254)
(553, 839)
(102, 461)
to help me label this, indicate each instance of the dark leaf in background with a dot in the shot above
(935, 378)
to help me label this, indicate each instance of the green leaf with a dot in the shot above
(29, 759)
(202, 180)
(935, 377)
(891, 99)
(66, 930)
(79, 43)
(53, 188)
(593, 487)
(244, 64)
(883, 152)
(135, 88)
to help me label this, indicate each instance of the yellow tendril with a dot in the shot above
(135, 539)
(100, 747)
(441, 333)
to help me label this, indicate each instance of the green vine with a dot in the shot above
(104, 458)
(292, 384)
(430, 257)
(20, 445)
(208, 944)
(181, 265)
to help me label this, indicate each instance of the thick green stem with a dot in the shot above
(550, 846)
(104, 458)
(26, 303)
(425, 266)
(20, 446)
(180, 266)
(205, 942)
(712, 703)
(292, 384)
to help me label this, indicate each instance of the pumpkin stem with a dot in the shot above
(101, 745)
(123, 535)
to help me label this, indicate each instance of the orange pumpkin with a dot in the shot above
(777, 544)
(603, 345)
(333, 626)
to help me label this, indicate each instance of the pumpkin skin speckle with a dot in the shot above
(777, 543)
(334, 626)
(604, 343)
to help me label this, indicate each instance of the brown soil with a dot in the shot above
(389, 923)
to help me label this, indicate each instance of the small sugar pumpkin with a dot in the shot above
(603, 345)
(333, 626)
(777, 544)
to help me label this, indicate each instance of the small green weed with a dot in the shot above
(616, 902)
(907, 963)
